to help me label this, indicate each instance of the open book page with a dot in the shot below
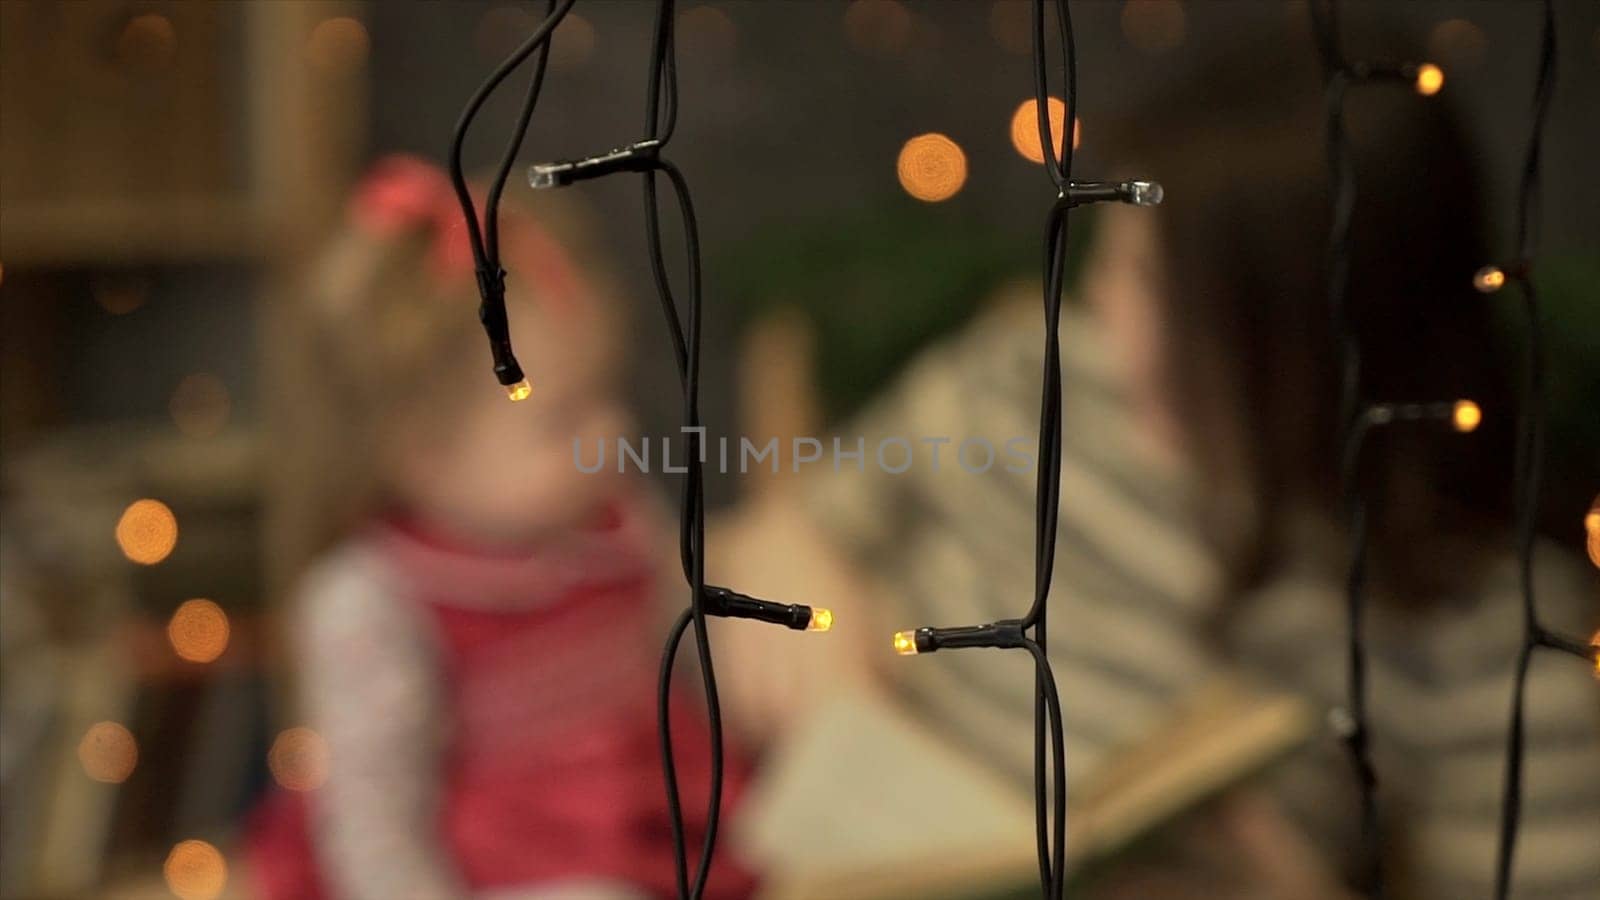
(865, 802)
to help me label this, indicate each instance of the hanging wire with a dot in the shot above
(644, 156)
(483, 237)
(1357, 419)
(1030, 631)
(1527, 464)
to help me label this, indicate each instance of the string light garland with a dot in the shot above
(1357, 420)
(643, 157)
(1030, 632)
(1463, 415)
(1527, 464)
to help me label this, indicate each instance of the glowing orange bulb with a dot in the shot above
(1591, 524)
(195, 870)
(821, 619)
(905, 643)
(1466, 416)
(1595, 643)
(1025, 128)
(299, 759)
(1489, 279)
(108, 752)
(931, 167)
(522, 390)
(198, 631)
(1430, 78)
(147, 531)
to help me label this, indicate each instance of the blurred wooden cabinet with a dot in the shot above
(172, 131)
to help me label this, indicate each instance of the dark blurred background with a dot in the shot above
(169, 169)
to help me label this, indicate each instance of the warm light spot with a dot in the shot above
(1466, 416)
(905, 643)
(878, 27)
(1591, 524)
(1489, 279)
(147, 42)
(338, 45)
(1010, 24)
(1025, 128)
(573, 44)
(120, 296)
(821, 619)
(1595, 643)
(1458, 42)
(299, 759)
(195, 870)
(931, 167)
(1430, 78)
(522, 390)
(200, 405)
(147, 531)
(502, 28)
(706, 33)
(1154, 26)
(198, 631)
(108, 752)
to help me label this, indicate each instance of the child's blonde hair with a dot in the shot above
(387, 331)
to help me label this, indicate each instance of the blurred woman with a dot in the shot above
(1199, 517)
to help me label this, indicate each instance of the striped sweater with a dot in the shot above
(1137, 592)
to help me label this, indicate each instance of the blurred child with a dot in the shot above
(476, 638)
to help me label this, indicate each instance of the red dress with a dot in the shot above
(552, 770)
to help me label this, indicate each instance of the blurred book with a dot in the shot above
(865, 802)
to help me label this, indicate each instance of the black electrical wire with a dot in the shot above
(1047, 706)
(1528, 461)
(483, 237)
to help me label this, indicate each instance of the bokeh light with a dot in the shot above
(1591, 524)
(1458, 42)
(299, 759)
(147, 43)
(338, 45)
(707, 34)
(195, 870)
(1154, 26)
(198, 630)
(1010, 24)
(878, 27)
(108, 752)
(200, 405)
(1025, 128)
(147, 531)
(1430, 79)
(1489, 279)
(1466, 416)
(931, 167)
(120, 296)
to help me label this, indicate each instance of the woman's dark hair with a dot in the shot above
(1250, 348)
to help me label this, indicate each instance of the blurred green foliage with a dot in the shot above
(880, 286)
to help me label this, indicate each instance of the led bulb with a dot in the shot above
(1145, 193)
(1466, 416)
(821, 619)
(905, 643)
(1489, 279)
(522, 390)
(1430, 78)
